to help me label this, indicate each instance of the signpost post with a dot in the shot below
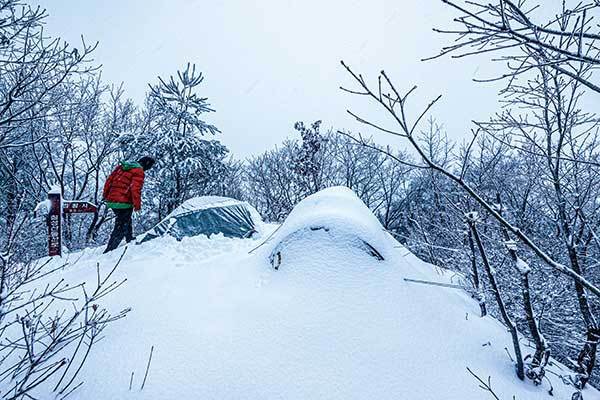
(56, 207)
(54, 223)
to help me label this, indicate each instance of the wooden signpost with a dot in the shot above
(56, 207)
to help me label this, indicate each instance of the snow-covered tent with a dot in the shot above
(335, 213)
(208, 215)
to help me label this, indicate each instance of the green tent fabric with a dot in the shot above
(206, 216)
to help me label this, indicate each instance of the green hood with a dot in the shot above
(127, 165)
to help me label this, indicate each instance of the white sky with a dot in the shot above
(269, 63)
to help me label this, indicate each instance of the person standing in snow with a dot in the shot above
(123, 194)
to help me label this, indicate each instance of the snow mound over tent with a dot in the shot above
(208, 215)
(334, 213)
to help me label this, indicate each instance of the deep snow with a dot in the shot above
(331, 323)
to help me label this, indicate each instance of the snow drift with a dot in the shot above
(335, 323)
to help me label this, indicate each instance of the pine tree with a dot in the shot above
(186, 163)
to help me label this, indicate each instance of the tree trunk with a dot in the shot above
(509, 324)
(536, 368)
(587, 358)
(475, 274)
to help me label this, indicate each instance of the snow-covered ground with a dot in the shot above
(332, 323)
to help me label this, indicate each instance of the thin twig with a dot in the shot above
(147, 368)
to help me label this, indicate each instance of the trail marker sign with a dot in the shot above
(78, 206)
(55, 208)
(54, 223)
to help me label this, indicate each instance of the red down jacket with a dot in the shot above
(123, 187)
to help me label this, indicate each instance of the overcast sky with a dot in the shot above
(269, 63)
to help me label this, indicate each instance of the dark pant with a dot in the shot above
(123, 228)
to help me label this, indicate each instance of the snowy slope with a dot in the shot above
(331, 323)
